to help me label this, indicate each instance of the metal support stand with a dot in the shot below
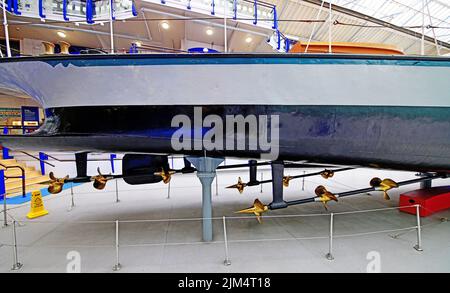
(227, 261)
(117, 191)
(277, 186)
(418, 246)
(329, 255)
(117, 266)
(206, 171)
(81, 164)
(427, 184)
(253, 165)
(16, 264)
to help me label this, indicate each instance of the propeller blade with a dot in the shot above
(326, 174)
(383, 185)
(286, 180)
(165, 175)
(239, 185)
(257, 209)
(56, 184)
(100, 180)
(324, 195)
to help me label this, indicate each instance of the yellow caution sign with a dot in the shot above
(37, 205)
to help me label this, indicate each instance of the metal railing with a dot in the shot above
(22, 170)
(73, 10)
(117, 245)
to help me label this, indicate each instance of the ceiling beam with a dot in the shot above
(374, 20)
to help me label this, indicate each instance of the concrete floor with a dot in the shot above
(175, 246)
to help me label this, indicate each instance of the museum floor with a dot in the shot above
(279, 244)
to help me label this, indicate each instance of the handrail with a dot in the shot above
(23, 176)
(72, 160)
(36, 158)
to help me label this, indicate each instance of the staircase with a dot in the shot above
(33, 178)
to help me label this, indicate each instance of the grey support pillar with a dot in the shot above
(425, 184)
(81, 163)
(206, 171)
(277, 186)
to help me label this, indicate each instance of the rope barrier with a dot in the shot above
(373, 232)
(225, 241)
(213, 242)
(214, 218)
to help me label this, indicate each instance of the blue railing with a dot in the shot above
(65, 10)
(41, 9)
(254, 12)
(73, 10)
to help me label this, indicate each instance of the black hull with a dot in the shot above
(406, 138)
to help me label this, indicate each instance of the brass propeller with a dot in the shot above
(100, 180)
(324, 195)
(383, 185)
(239, 185)
(165, 175)
(326, 174)
(257, 209)
(286, 180)
(56, 184)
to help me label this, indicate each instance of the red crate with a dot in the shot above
(431, 200)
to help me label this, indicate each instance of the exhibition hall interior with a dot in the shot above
(226, 136)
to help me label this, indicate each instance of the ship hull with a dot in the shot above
(383, 137)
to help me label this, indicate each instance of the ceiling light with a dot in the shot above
(165, 25)
(209, 32)
(61, 34)
(248, 40)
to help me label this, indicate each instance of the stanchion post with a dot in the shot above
(117, 191)
(262, 177)
(16, 265)
(418, 246)
(168, 190)
(72, 202)
(227, 261)
(303, 181)
(117, 266)
(329, 255)
(3, 194)
(5, 216)
(217, 184)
